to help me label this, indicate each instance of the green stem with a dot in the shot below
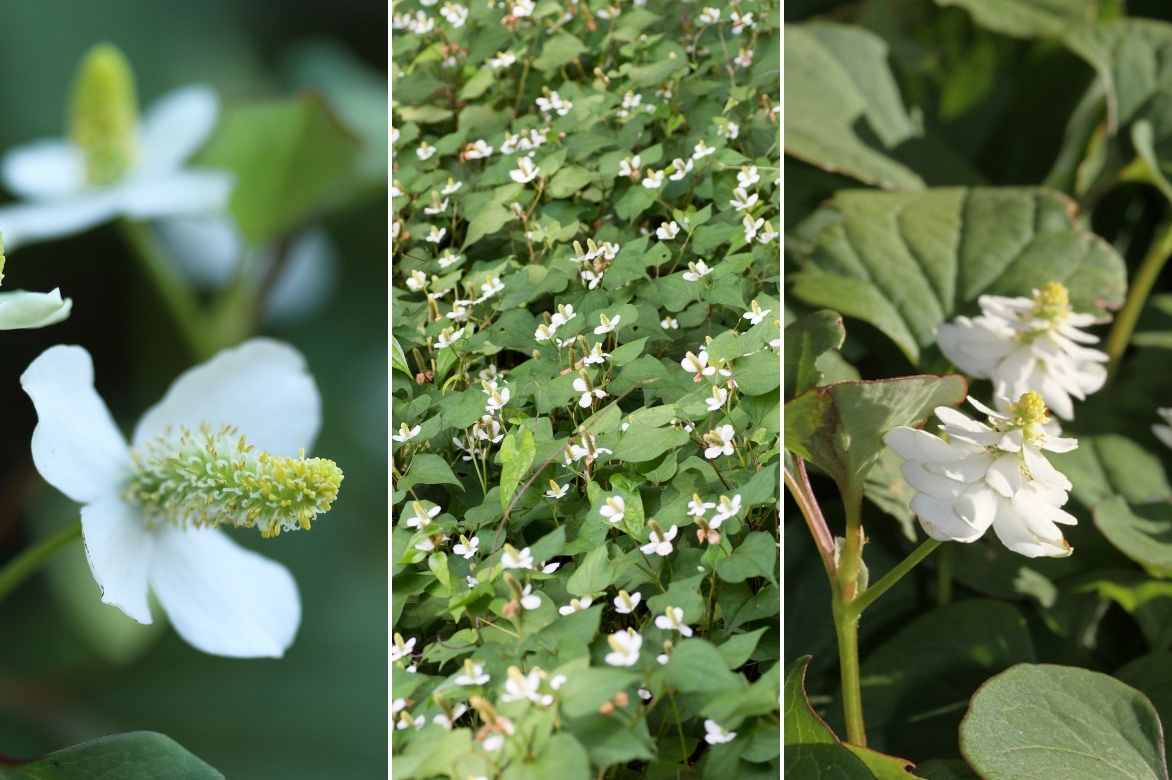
(944, 576)
(18, 569)
(1137, 295)
(174, 291)
(846, 628)
(895, 575)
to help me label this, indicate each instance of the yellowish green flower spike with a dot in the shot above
(1051, 301)
(215, 477)
(103, 119)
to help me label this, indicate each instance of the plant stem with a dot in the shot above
(803, 494)
(1137, 295)
(175, 293)
(944, 576)
(846, 628)
(18, 569)
(895, 575)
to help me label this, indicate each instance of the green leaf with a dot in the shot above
(427, 469)
(559, 50)
(1152, 675)
(759, 373)
(398, 358)
(139, 755)
(611, 741)
(291, 159)
(516, 458)
(1058, 721)
(906, 262)
(807, 341)
(595, 573)
(1143, 534)
(586, 689)
(837, 81)
(487, 221)
(569, 180)
(1027, 18)
(755, 556)
(839, 428)
(639, 445)
(696, 666)
(563, 758)
(737, 650)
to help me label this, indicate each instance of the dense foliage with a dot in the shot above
(585, 403)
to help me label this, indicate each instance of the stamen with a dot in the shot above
(1052, 301)
(214, 478)
(104, 114)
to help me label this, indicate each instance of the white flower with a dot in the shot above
(731, 130)
(471, 581)
(701, 150)
(525, 172)
(150, 527)
(748, 176)
(719, 441)
(557, 681)
(437, 207)
(503, 59)
(725, 509)
(614, 508)
(653, 180)
(416, 281)
(698, 507)
(709, 15)
(477, 150)
(529, 599)
(752, 226)
(423, 515)
(995, 474)
(451, 188)
(436, 235)
(669, 323)
(586, 448)
(550, 568)
(630, 166)
(512, 559)
(740, 22)
(398, 704)
(1164, 432)
(624, 647)
(625, 603)
(406, 434)
(448, 337)
(473, 674)
(697, 365)
(125, 167)
(556, 491)
(405, 721)
(595, 357)
(497, 399)
(743, 200)
(717, 399)
(589, 394)
(493, 742)
(554, 104)
(645, 694)
(447, 721)
(755, 314)
(490, 288)
(521, 8)
(660, 543)
(575, 605)
(591, 279)
(681, 168)
(424, 151)
(672, 619)
(401, 648)
(429, 543)
(455, 14)
(467, 547)
(522, 687)
(1027, 344)
(564, 314)
(715, 735)
(667, 231)
(744, 59)
(697, 271)
(448, 258)
(662, 659)
(544, 332)
(607, 325)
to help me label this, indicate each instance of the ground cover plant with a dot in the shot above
(977, 208)
(586, 352)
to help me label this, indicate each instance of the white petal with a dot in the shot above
(31, 222)
(176, 126)
(20, 309)
(914, 444)
(934, 485)
(261, 387)
(939, 521)
(76, 445)
(207, 247)
(1016, 533)
(977, 507)
(222, 598)
(971, 469)
(177, 193)
(1004, 476)
(1163, 433)
(957, 419)
(44, 170)
(1043, 470)
(119, 549)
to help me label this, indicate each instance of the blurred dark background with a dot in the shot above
(72, 669)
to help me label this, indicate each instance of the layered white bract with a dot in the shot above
(1164, 432)
(1027, 344)
(975, 475)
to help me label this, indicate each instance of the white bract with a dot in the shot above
(979, 475)
(150, 514)
(525, 171)
(20, 309)
(719, 441)
(660, 541)
(423, 515)
(575, 605)
(715, 734)
(113, 164)
(624, 646)
(466, 547)
(672, 619)
(589, 394)
(625, 603)
(1164, 432)
(612, 511)
(511, 558)
(473, 674)
(697, 271)
(1025, 344)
